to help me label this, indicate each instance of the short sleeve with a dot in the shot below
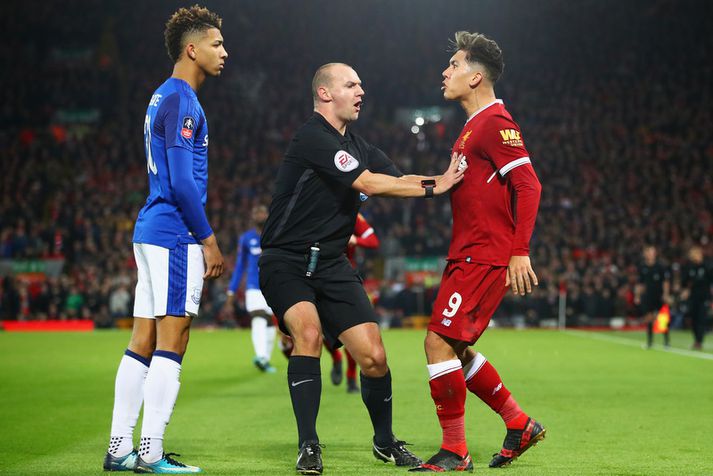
(181, 119)
(330, 160)
(502, 143)
(379, 163)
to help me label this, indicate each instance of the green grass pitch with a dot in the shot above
(610, 408)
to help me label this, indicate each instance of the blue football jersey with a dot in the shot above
(248, 255)
(174, 118)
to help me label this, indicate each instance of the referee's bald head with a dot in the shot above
(323, 77)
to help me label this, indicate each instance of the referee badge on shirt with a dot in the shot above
(188, 125)
(344, 161)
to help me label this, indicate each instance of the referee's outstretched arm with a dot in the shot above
(410, 185)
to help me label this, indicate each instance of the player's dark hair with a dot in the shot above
(480, 49)
(184, 22)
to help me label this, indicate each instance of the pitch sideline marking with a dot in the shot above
(631, 343)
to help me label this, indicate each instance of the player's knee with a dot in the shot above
(143, 345)
(437, 348)
(432, 342)
(307, 340)
(374, 363)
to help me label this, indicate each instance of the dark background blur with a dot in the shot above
(613, 98)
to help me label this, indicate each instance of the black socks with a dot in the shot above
(304, 376)
(376, 395)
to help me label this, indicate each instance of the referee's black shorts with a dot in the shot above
(651, 303)
(335, 289)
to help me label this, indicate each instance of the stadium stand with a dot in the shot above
(618, 125)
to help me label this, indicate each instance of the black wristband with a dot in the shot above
(428, 187)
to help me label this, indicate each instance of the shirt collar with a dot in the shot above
(342, 138)
(497, 101)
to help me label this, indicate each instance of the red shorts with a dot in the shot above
(469, 295)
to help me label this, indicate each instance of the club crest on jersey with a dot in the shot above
(196, 296)
(344, 161)
(464, 139)
(188, 125)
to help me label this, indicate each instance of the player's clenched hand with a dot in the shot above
(452, 175)
(213, 258)
(520, 276)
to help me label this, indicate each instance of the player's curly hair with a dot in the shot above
(480, 49)
(184, 22)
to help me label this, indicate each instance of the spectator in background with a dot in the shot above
(119, 300)
(74, 303)
(626, 154)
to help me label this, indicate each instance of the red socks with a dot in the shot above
(448, 392)
(351, 366)
(483, 380)
(336, 356)
(513, 416)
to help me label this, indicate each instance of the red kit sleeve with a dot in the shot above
(366, 238)
(503, 144)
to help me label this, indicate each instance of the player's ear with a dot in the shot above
(476, 79)
(191, 51)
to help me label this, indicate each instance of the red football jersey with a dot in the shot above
(485, 229)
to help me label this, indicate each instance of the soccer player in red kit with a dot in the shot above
(494, 211)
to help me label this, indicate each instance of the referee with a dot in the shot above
(653, 291)
(308, 282)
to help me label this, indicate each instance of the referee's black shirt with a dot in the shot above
(653, 278)
(313, 200)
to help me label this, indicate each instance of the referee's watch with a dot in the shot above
(428, 187)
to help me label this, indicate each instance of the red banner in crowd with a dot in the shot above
(72, 325)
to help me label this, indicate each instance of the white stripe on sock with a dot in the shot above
(442, 368)
(472, 367)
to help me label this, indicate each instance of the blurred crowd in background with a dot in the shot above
(616, 115)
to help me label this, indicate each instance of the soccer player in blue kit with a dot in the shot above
(174, 247)
(262, 328)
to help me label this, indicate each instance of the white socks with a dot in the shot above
(259, 335)
(160, 393)
(270, 341)
(263, 338)
(128, 396)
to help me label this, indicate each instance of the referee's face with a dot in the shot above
(347, 93)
